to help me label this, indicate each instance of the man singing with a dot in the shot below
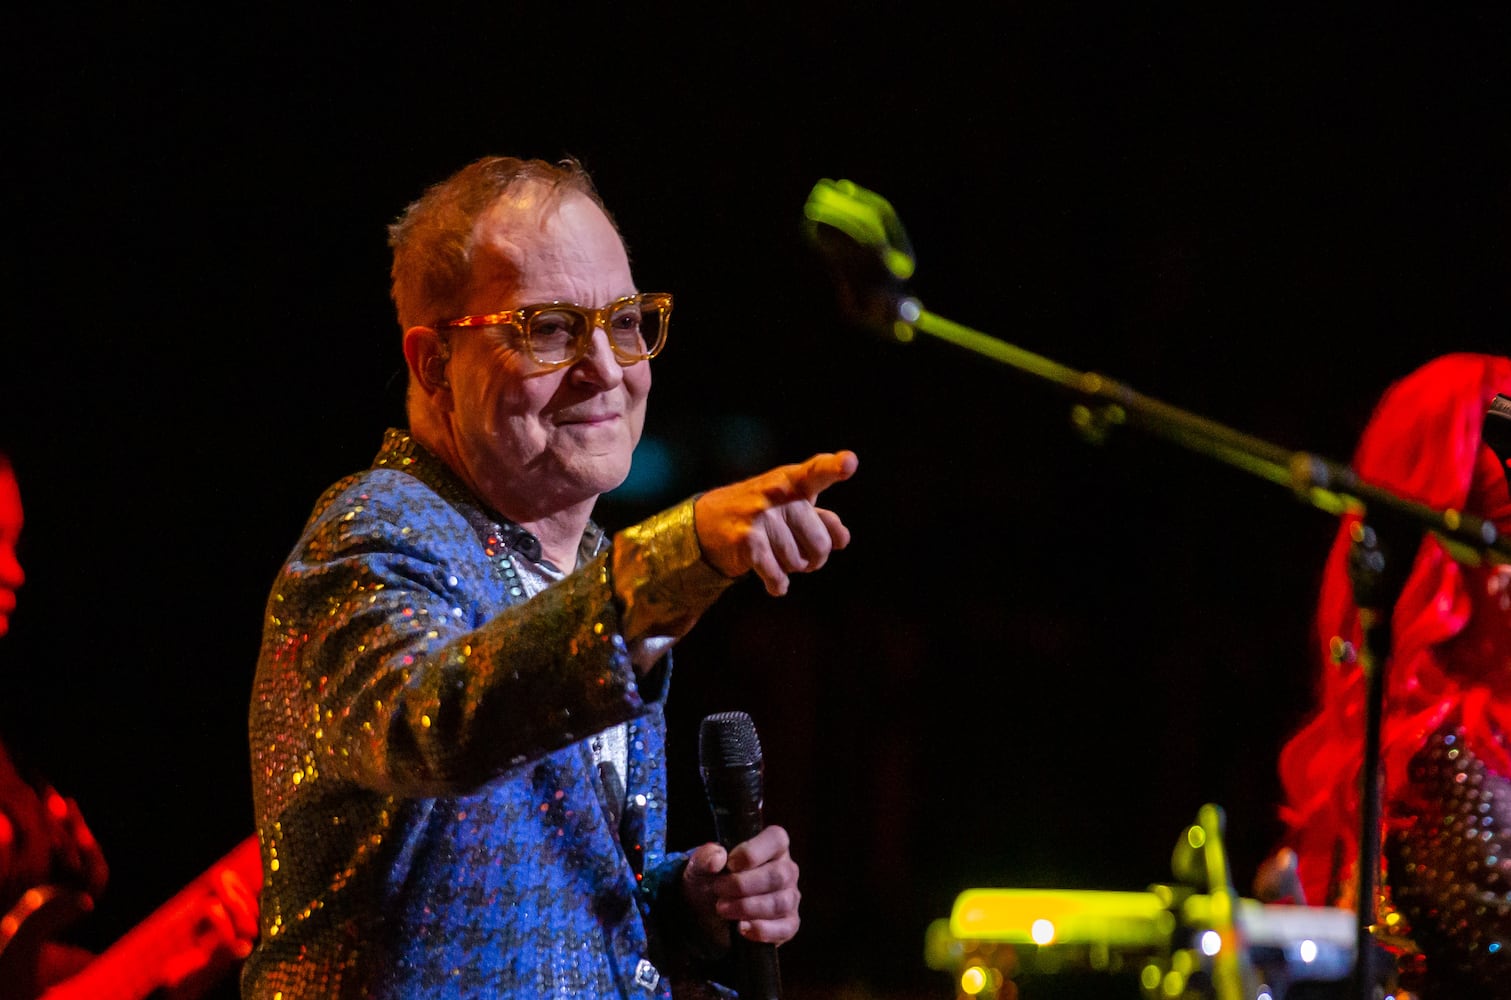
(457, 726)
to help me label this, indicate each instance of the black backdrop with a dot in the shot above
(1038, 658)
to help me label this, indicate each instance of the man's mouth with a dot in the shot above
(592, 419)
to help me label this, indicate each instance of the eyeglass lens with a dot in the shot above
(562, 333)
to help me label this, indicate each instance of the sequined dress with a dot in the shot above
(1448, 872)
(432, 819)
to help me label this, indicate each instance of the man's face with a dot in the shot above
(535, 442)
(11, 576)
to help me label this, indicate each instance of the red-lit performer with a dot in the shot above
(1446, 883)
(46, 847)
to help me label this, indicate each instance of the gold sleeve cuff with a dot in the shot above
(660, 577)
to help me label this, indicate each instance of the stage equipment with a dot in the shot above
(1193, 938)
(863, 242)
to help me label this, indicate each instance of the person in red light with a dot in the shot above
(52, 868)
(11, 573)
(1446, 885)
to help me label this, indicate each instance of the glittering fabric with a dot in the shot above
(1450, 871)
(656, 564)
(432, 820)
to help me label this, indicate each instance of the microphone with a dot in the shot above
(861, 239)
(729, 755)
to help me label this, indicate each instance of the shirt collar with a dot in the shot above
(402, 452)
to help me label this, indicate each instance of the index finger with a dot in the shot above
(822, 471)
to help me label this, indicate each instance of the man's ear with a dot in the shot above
(426, 355)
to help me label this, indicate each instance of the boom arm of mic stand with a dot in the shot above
(1326, 485)
(1323, 484)
(860, 234)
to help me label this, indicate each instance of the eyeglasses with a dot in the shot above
(558, 334)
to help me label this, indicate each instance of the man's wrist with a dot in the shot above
(660, 578)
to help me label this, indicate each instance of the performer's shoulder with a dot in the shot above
(375, 494)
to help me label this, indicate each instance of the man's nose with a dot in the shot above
(599, 363)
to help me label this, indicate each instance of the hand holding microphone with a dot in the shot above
(747, 881)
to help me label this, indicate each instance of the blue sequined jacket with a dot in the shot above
(432, 822)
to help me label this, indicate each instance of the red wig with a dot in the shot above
(1423, 442)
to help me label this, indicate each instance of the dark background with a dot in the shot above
(1038, 658)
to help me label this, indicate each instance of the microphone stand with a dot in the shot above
(1378, 575)
(863, 239)
(1324, 484)
(1379, 563)
(1200, 859)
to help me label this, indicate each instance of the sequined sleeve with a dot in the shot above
(389, 659)
(660, 576)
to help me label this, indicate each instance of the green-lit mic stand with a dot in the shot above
(863, 241)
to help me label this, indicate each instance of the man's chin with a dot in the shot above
(601, 478)
(556, 482)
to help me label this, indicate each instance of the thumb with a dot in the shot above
(706, 861)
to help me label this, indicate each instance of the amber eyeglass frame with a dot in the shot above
(593, 319)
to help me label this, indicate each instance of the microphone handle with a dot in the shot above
(756, 966)
(734, 794)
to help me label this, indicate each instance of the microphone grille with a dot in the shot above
(728, 739)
